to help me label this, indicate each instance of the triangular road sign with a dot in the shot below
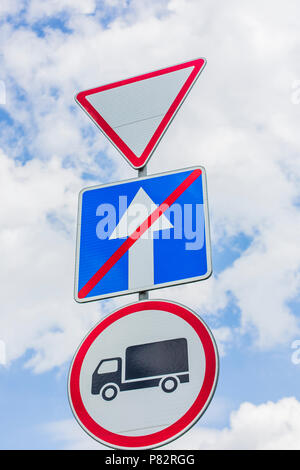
(134, 113)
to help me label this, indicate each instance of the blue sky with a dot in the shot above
(240, 122)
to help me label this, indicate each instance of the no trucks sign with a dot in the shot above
(144, 375)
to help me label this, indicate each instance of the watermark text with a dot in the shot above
(2, 92)
(295, 358)
(295, 94)
(2, 353)
(147, 221)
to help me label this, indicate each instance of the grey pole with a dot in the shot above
(144, 295)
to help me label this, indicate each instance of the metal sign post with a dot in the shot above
(144, 295)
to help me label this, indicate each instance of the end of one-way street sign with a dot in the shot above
(142, 234)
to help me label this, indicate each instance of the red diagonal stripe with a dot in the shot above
(86, 289)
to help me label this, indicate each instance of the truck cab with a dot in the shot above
(108, 372)
(161, 363)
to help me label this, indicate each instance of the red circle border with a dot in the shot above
(187, 420)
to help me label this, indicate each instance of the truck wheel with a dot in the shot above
(169, 384)
(109, 392)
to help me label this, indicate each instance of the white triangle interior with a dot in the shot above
(135, 110)
(138, 211)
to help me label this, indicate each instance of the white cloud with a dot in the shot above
(223, 337)
(9, 7)
(38, 10)
(269, 426)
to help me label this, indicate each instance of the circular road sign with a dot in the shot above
(143, 375)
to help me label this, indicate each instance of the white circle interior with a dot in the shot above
(147, 410)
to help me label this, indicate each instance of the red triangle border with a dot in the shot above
(139, 161)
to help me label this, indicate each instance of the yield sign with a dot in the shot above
(134, 113)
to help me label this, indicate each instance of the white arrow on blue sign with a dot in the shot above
(142, 234)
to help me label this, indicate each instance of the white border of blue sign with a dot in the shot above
(156, 286)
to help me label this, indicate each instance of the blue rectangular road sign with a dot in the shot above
(142, 234)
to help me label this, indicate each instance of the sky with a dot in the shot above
(240, 122)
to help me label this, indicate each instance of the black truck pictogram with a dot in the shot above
(163, 363)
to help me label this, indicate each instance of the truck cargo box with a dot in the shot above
(154, 359)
